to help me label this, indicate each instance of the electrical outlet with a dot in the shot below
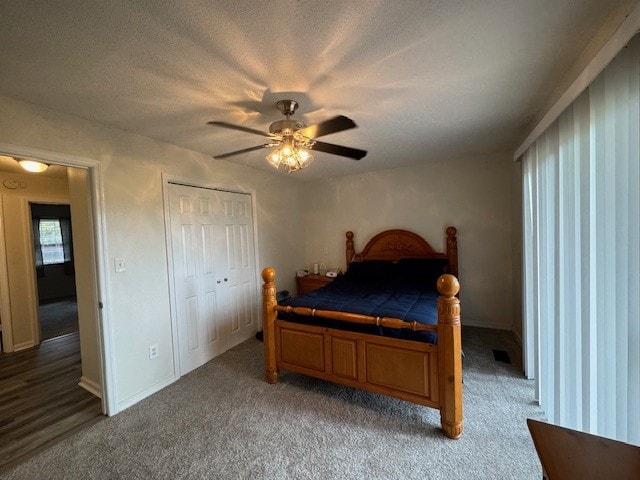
(120, 265)
(153, 351)
(325, 250)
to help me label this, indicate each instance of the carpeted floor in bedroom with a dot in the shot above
(224, 421)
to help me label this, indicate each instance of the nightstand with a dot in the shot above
(311, 282)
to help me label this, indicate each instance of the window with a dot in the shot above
(52, 239)
(582, 257)
(51, 242)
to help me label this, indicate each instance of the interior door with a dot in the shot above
(214, 271)
(193, 233)
(239, 275)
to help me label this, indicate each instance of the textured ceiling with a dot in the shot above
(424, 80)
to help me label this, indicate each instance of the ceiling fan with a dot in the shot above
(293, 139)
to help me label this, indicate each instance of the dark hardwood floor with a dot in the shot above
(40, 400)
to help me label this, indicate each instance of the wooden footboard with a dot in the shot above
(418, 372)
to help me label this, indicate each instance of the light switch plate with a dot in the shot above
(120, 265)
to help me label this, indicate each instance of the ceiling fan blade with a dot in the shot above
(333, 125)
(354, 153)
(237, 127)
(244, 150)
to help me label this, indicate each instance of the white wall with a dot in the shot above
(474, 195)
(138, 303)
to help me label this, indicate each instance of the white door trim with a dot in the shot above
(27, 237)
(105, 341)
(190, 182)
(5, 310)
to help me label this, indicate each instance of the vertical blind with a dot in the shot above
(581, 184)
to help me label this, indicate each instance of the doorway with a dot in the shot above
(55, 271)
(82, 189)
(83, 355)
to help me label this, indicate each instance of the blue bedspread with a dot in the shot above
(379, 289)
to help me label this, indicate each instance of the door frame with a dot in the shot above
(5, 310)
(96, 191)
(27, 235)
(168, 179)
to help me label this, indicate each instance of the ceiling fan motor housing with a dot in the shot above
(287, 107)
(283, 127)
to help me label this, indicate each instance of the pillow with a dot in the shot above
(422, 269)
(373, 270)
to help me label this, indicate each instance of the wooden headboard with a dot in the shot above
(393, 245)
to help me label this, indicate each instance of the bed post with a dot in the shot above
(452, 250)
(351, 251)
(269, 302)
(449, 356)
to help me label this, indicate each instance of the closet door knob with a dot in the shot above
(218, 281)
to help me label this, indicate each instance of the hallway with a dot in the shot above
(40, 400)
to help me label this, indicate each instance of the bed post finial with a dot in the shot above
(449, 356)
(269, 302)
(351, 251)
(268, 275)
(448, 287)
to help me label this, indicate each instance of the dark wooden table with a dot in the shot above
(568, 454)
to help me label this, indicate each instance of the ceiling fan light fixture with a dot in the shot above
(289, 156)
(33, 166)
(294, 139)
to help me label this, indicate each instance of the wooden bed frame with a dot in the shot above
(422, 373)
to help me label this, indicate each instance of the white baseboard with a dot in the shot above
(23, 346)
(90, 386)
(518, 337)
(133, 399)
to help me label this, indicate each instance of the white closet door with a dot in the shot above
(213, 256)
(239, 277)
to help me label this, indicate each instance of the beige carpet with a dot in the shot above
(224, 421)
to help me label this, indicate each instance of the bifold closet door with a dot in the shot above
(214, 271)
(239, 273)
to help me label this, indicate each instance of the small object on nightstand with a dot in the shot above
(322, 269)
(282, 295)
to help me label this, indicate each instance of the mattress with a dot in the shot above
(404, 290)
